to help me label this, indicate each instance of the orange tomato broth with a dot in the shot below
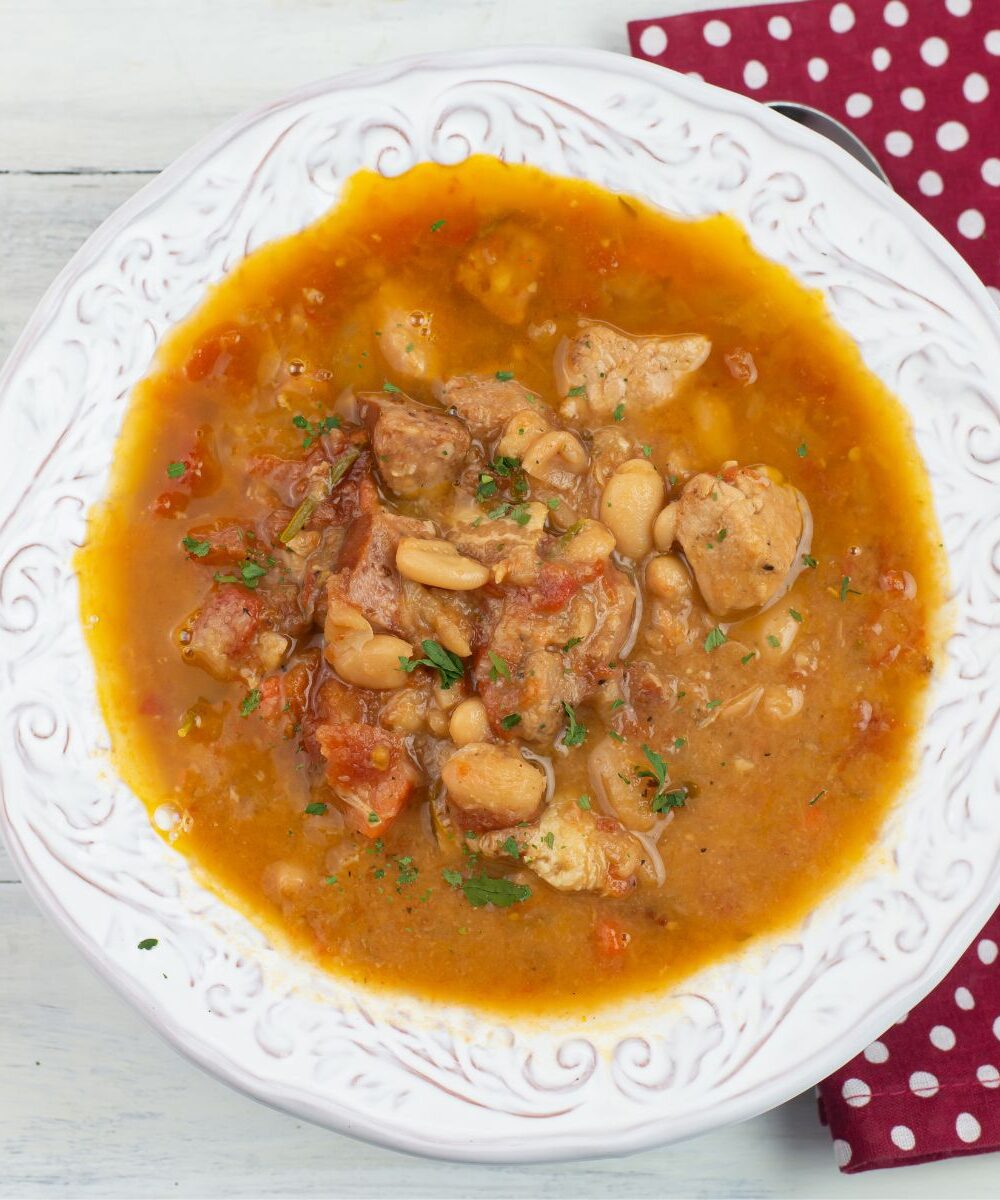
(756, 847)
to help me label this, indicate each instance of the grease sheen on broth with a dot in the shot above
(240, 588)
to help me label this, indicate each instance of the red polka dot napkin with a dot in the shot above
(917, 80)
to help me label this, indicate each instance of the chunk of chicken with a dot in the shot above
(417, 449)
(486, 404)
(613, 368)
(740, 532)
(501, 270)
(573, 849)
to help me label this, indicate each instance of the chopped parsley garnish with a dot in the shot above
(667, 800)
(795, 615)
(483, 889)
(198, 549)
(497, 667)
(511, 847)
(505, 464)
(747, 657)
(314, 430)
(448, 666)
(619, 412)
(680, 743)
(579, 390)
(647, 451)
(846, 589)
(584, 802)
(330, 880)
(439, 224)
(663, 799)
(389, 387)
(553, 503)
(819, 795)
(617, 704)
(576, 734)
(514, 512)
(505, 376)
(487, 486)
(316, 809)
(573, 641)
(549, 839)
(148, 943)
(452, 877)
(802, 450)
(374, 819)
(722, 535)
(176, 469)
(773, 641)
(715, 639)
(510, 720)
(710, 704)
(655, 760)
(809, 561)
(406, 872)
(251, 702)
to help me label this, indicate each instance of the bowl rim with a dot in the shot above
(335, 1114)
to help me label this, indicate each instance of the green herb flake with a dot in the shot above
(176, 469)
(773, 641)
(584, 803)
(549, 839)
(810, 562)
(487, 487)
(449, 666)
(795, 615)
(389, 387)
(374, 819)
(436, 225)
(711, 704)
(452, 877)
(330, 881)
(498, 667)
(802, 450)
(505, 376)
(579, 390)
(148, 943)
(250, 702)
(680, 743)
(667, 800)
(505, 464)
(819, 796)
(617, 704)
(722, 535)
(846, 589)
(715, 639)
(747, 657)
(619, 412)
(511, 848)
(510, 720)
(553, 503)
(198, 549)
(483, 889)
(573, 641)
(576, 734)
(316, 809)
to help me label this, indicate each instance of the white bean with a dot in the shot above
(437, 563)
(495, 781)
(630, 502)
(469, 722)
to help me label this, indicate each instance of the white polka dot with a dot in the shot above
(991, 175)
(856, 1092)
(987, 948)
(652, 40)
(942, 1038)
(912, 98)
(992, 41)
(934, 52)
(717, 33)
(896, 13)
(877, 1052)
(755, 74)
(694, 75)
(858, 104)
(881, 58)
(996, 1029)
(972, 225)
(988, 1076)
(967, 1127)
(958, 8)
(818, 69)
(931, 183)
(903, 1019)
(924, 1085)
(898, 143)
(780, 28)
(841, 1152)
(841, 18)
(902, 1136)
(975, 88)
(952, 135)
(963, 997)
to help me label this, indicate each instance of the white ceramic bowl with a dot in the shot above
(737, 1038)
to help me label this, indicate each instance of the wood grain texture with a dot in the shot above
(94, 96)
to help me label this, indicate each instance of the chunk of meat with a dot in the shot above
(417, 449)
(366, 575)
(613, 368)
(369, 770)
(573, 849)
(221, 542)
(557, 640)
(747, 564)
(510, 548)
(486, 404)
(502, 268)
(492, 786)
(284, 697)
(230, 636)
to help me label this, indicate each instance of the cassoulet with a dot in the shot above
(511, 594)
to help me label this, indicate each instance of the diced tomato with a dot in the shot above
(369, 770)
(610, 938)
(555, 587)
(223, 354)
(284, 697)
(201, 477)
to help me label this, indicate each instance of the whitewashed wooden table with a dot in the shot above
(95, 97)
